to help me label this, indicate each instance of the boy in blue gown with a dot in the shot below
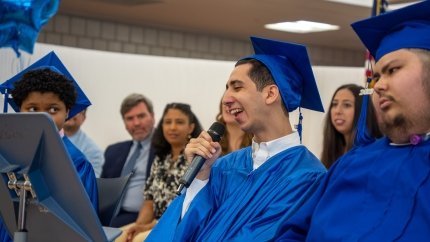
(247, 194)
(47, 86)
(381, 191)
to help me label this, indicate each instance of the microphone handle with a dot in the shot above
(192, 171)
(215, 131)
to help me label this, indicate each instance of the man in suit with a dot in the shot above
(133, 155)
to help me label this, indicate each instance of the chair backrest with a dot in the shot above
(111, 192)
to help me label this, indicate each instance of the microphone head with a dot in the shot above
(216, 131)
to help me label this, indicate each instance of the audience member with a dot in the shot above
(73, 131)
(247, 194)
(133, 155)
(380, 191)
(172, 134)
(341, 122)
(46, 86)
(234, 137)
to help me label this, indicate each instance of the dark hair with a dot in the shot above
(225, 146)
(261, 76)
(334, 143)
(258, 73)
(424, 56)
(44, 80)
(159, 143)
(132, 101)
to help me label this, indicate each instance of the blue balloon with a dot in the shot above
(21, 21)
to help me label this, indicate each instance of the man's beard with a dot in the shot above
(397, 128)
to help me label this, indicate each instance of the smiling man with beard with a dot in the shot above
(245, 195)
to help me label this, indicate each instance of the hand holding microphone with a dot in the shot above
(216, 131)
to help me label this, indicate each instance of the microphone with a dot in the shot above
(215, 131)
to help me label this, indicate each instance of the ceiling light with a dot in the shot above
(301, 26)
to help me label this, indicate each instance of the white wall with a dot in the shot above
(107, 77)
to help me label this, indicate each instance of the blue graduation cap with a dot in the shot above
(291, 70)
(52, 62)
(408, 27)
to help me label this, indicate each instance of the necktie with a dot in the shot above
(129, 165)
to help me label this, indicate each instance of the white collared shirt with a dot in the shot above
(261, 152)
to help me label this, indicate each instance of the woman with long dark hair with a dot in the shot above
(341, 122)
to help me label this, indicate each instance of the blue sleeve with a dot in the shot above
(297, 227)
(166, 226)
(4, 235)
(266, 226)
(88, 179)
(84, 170)
(171, 227)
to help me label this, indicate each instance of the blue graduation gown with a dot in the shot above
(86, 174)
(241, 204)
(85, 171)
(4, 235)
(377, 192)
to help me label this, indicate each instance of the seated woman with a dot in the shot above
(341, 123)
(234, 137)
(177, 125)
(47, 90)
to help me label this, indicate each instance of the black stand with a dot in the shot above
(39, 184)
(21, 188)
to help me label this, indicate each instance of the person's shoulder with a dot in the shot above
(71, 148)
(84, 138)
(236, 153)
(235, 159)
(360, 157)
(370, 149)
(302, 159)
(120, 144)
(74, 152)
(300, 152)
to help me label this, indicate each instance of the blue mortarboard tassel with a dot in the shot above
(363, 135)
(299, 125)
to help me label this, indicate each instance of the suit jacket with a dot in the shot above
(115, 157)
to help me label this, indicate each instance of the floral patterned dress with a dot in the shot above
(163, 182)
